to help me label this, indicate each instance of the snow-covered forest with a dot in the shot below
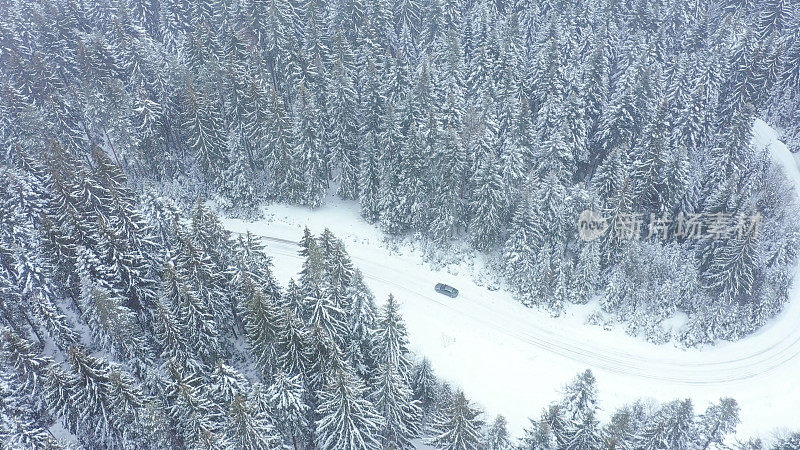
(140, 327)
(134, 321)
(492, 122)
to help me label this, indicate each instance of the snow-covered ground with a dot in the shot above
(513, 360)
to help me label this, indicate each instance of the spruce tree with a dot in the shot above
(249, 426)
(347, 421)
(497, 437)
(342, 134)
(579, 409)
(392, 338)
(425, 386)
(672, 427)
(716, 422)
(104, 395)
(199, 419)
(393, 401)
(459, 428)
(286, 398)
(362, 327)
(263, 324)
(308, 147)
(489, 204)
(204, 128)
(293, 342)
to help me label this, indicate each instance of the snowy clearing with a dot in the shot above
(513, 360)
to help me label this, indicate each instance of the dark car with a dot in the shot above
(449, 291)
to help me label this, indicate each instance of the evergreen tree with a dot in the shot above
(204, 128)
(718, 420)
(249, 426)
(371, 132)
(362, 327)
(459, 426)
(579, 408)
(263, 324)
(347, 421)
(293, 342)
(343, 130)
(199, 419)
(281, 156)
(488, 204)
(424, 386)
(309, 150)
(393, 401)
(497, 437)
(670, 428)
(105, 396)
(193, 313)
(285, 396)
(733, 265)
(392, 348)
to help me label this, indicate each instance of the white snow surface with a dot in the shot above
(514, 360)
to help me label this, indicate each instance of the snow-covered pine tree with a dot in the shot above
(286, 399)
(327, 316)
(394, 203)
(425, 387)
(719, 420)
(371, 132)
(362, 327)
(497, 437)
(342, 131)
(193, 313)
(199, 419)
(324, 360)
(393, 401)
(519, 251)
(392, 339)
(459, 427)
(249, 426)
(308, 147)
(733, 266)
(579, 410)
(624, 426)
(489, 204)
(21, 425)
(348, 421)
(587, 274)
(263, 322)
(115, 327)
(33, 375)
(204, 130)
(293, 342)
(671, 427)
(538, 436)
(280, 155)
(312, 271)
(105, 396)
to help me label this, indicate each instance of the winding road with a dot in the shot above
(513, 360)
(772, 348)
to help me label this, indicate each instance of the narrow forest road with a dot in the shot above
(738, 361)
(513, 360)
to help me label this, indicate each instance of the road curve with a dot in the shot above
(512, 359)
(737, 361)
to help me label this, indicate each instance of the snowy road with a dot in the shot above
(513, 360)
(734, 362)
